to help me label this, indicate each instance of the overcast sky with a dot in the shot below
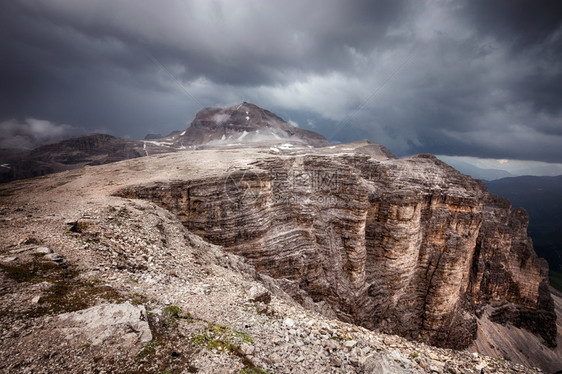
(465, 78)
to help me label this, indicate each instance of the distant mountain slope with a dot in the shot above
(242, 124)
(475, 171)
(542, 198)
(92, 149)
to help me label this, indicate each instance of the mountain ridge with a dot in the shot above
(212, 127)
(244, 123)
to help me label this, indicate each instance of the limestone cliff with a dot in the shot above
(407, 246)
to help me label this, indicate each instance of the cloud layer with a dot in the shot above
(472, 78)
(32, 133)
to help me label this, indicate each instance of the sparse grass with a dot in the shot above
(172, 311)
(67, 293)
(220, 345)
(148, 349)
(221, 338)
(243, 336)
(556, 280)
(33, 272)
(172, 315)
(340, 338)
(74, 295)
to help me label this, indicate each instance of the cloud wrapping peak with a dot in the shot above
(475, 78)
(33, 132)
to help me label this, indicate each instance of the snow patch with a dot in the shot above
(286, 146)
(223, 137)
(247, 118)
(243, 135)
(273, 149)
(7, 166)
(183, 133)
(165, 144)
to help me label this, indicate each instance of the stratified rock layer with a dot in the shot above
(407, 246)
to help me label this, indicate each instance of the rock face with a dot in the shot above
(406, 246)
(243, 123)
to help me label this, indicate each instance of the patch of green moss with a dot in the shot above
(340, 338)
(172, 315)
(73, 295)
(221, 338)
(220, 345)
(68, 293)
(245, 337)
(33, 272)
(148, 349)
(172, 311)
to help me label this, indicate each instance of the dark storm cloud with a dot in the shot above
(521, 23)
(478, 78)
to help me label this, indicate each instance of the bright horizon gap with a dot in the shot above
(512, 166)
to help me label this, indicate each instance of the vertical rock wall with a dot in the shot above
(406, 246)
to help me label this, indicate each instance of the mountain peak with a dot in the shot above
(244, 123)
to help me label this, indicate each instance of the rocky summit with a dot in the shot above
(275, 259)
(242, 124)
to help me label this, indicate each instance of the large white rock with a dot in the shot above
(124, 324)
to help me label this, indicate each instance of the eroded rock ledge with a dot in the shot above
(407, 246)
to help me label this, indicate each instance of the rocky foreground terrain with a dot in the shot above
(277, 260)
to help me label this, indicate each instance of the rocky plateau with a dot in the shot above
(282, 258)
